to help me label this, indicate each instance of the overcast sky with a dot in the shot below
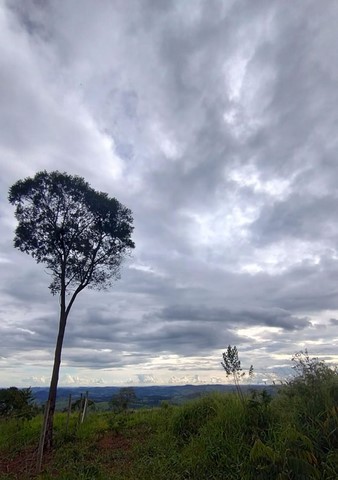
(215, 122)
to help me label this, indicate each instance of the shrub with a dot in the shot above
(259, 415)
(19, 403)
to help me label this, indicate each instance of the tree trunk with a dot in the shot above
(48, 440)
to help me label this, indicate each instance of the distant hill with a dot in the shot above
(147, 396)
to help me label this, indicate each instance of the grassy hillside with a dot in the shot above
(291, 436)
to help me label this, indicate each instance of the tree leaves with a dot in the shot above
(79, 233)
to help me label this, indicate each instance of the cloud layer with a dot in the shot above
(215, 123)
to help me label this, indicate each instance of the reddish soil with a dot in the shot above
(19, 466)
(114, 442)
(114, 450)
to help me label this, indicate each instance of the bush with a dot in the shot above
(259, 415)
(308, 405)
(19, 403)
(313, 392)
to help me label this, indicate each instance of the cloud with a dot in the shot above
(274, 317)
(300, 217)
(215, 123)
(148, 379)
(33, 380)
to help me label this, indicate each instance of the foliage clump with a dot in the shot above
(232, 366)
(18, 403)
(125, 398)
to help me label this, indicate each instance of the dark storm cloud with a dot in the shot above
(274, 317)
(303, 217)
(99, 359)
(148, 335)
(28, 333)
(294, 285)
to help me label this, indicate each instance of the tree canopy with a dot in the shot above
(125, 397)
(80, 234)
(15, 402)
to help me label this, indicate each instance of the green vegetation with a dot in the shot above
(15, 402)
(232, 366)
(293, 435)
(122, 400)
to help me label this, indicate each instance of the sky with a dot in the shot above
(215, 122)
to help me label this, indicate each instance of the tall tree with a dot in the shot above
(81, 235)
(121, 401)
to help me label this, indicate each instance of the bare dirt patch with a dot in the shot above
(20, 465)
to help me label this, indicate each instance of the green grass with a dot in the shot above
(291, 437)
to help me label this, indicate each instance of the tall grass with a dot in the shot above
(17, 433)
(201, 439)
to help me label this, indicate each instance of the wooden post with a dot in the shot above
(80, 409)
(42, 438)
(85, 407)
(68, 412)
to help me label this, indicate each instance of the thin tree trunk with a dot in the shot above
(49, 413)
(48, 444)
